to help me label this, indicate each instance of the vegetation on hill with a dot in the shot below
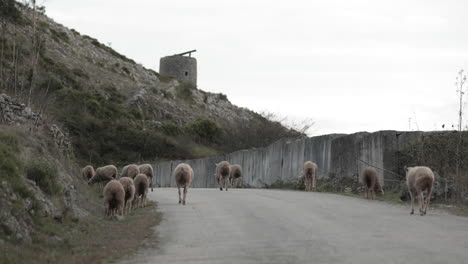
(115, 110)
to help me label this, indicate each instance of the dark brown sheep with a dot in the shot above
(147, 169)
(371, 183)
(114, 198)
(418, 180)
(104, 174)
(129, 189)
(141, 190)
(309, 172)
(87, 172)
(183, 174)
(130, 170)
(222, 174)
(235, 174)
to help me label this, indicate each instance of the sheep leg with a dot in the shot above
(180, 198)
(428, 199)
(412, 201)
(185, 195)
(226, 183)
(420, 202)
(121, 209)
(314, 183)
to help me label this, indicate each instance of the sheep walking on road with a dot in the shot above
(222, 174)
(309, 173)
(235, 174)
(141, 190)
(147, 169)
(183, 174)
(114, 198)
(129, 188)
(371, 182)
(418, 180)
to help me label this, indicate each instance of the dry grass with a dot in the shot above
(89, 240)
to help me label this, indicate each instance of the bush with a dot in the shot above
(205, 131)
(223, 97)
(171, 129)
(45, 175)
(59, 36)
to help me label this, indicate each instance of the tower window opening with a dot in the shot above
(186, 73)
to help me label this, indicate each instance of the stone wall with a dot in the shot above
(13, 112)
(336, 155)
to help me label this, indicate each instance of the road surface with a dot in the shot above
(275, 226)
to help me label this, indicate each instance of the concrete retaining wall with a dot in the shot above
(335, 154)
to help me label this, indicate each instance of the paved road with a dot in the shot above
(273, 226)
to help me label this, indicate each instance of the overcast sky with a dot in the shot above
(350, 65)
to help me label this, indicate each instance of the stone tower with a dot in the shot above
(183, 68)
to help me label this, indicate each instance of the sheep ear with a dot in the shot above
(405, 168)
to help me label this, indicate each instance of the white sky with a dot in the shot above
(351, 65)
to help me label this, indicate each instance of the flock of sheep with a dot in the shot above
(126, 193)
(131, 189)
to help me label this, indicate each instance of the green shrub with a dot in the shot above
(204, 130)
(9, 11)
(171, 129)
(45, 175)
(222, 96)
(59, 36)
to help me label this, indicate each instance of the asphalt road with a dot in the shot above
(274, 226)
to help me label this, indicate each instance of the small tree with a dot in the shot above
(460, 84)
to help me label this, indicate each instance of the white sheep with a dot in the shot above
(309, 172)
(114, 198)
(104, 174)
(183, 175)
(130, 170)
(419, 179)
(235, 174)
(222, 174)
(147, 169)
(141, 190)
(129, 188)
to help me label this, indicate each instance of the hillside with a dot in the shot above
(114, 109)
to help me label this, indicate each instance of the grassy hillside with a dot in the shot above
(115, 110)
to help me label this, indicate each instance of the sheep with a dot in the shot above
(87, 172)
(114, 198)
(147, 169)
(141, 190)
(371, 182)
(183, 174)
(309, 172)
(102, 174)
(130, 170)
(222, 174)
(129, 188)
(235, 174)
(419, 179)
